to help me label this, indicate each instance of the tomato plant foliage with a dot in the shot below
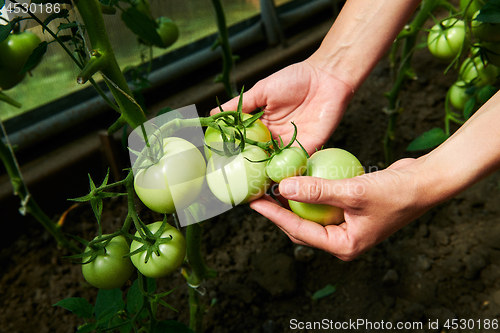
(474, 63)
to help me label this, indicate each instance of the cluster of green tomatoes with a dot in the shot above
(238, 163)
(454, 36)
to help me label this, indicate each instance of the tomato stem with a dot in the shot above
(227, 55)
(28, 203)
(73, 58)
(404, 68)
(199, 273)
(91, 13)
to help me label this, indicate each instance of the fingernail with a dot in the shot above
(288, 187)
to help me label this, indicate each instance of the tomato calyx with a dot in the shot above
(94, 248)
(229, 145)
(151, 241)
(233, 126)
(278, 145)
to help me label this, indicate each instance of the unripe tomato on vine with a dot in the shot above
(446, 39)
(14, 53)
(330, 163)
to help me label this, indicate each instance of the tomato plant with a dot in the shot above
(330, 163)
(256, 131)
(485, 31)
(14, 53)
(163, 255)
(492, 52)
(240, 178)
(469, 7)
(458, 94)
(289, 162)
(478, 72)
(168, 31)
(107, 266)
(446, 39)
(175, 180)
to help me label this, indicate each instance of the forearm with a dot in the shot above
(360, 36)
(470, 154)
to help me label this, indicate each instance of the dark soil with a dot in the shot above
(443, 266)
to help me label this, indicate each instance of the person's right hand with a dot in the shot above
(313, 99)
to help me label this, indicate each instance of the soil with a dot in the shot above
(443, 266)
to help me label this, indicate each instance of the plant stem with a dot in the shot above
(9, 100)
(227, 55)
(91, 13)
(199, 272)
(404, 72)
(29, 204)
(73, 58)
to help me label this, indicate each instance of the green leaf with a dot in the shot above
(65, 38)
(79, 306)
(5, 31)
(2, 3)
(87, 328)
(142, 25)
(135, 300)
(429, 139)
(151, 285)
(62, 2)
(485, 93)
(108, 303)
(164, 110)
(171, 326)
(64, 26)
(469, 107)
(35, 57)
(324, 292)
(490, 12)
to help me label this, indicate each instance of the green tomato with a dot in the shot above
(168, 31)
(168, 255)
(14, 52)
(446, 39)
(257, 132)
(237, 180)
(175, 181)
(486, 32)
(331, 163)
(475, 71)
(143, 7)
(111, 268)
(470, 7)
(492, 51)
(287, 163)
(458, 95)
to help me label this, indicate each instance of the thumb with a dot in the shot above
(318, 190)
(252, 99)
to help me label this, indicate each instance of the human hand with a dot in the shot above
(375, 206)
(313, 99)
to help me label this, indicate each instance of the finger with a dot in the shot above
(252, 99)
(401, 163)
(277, 196)
(318, 190)
(263, 206)
(333, 238)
